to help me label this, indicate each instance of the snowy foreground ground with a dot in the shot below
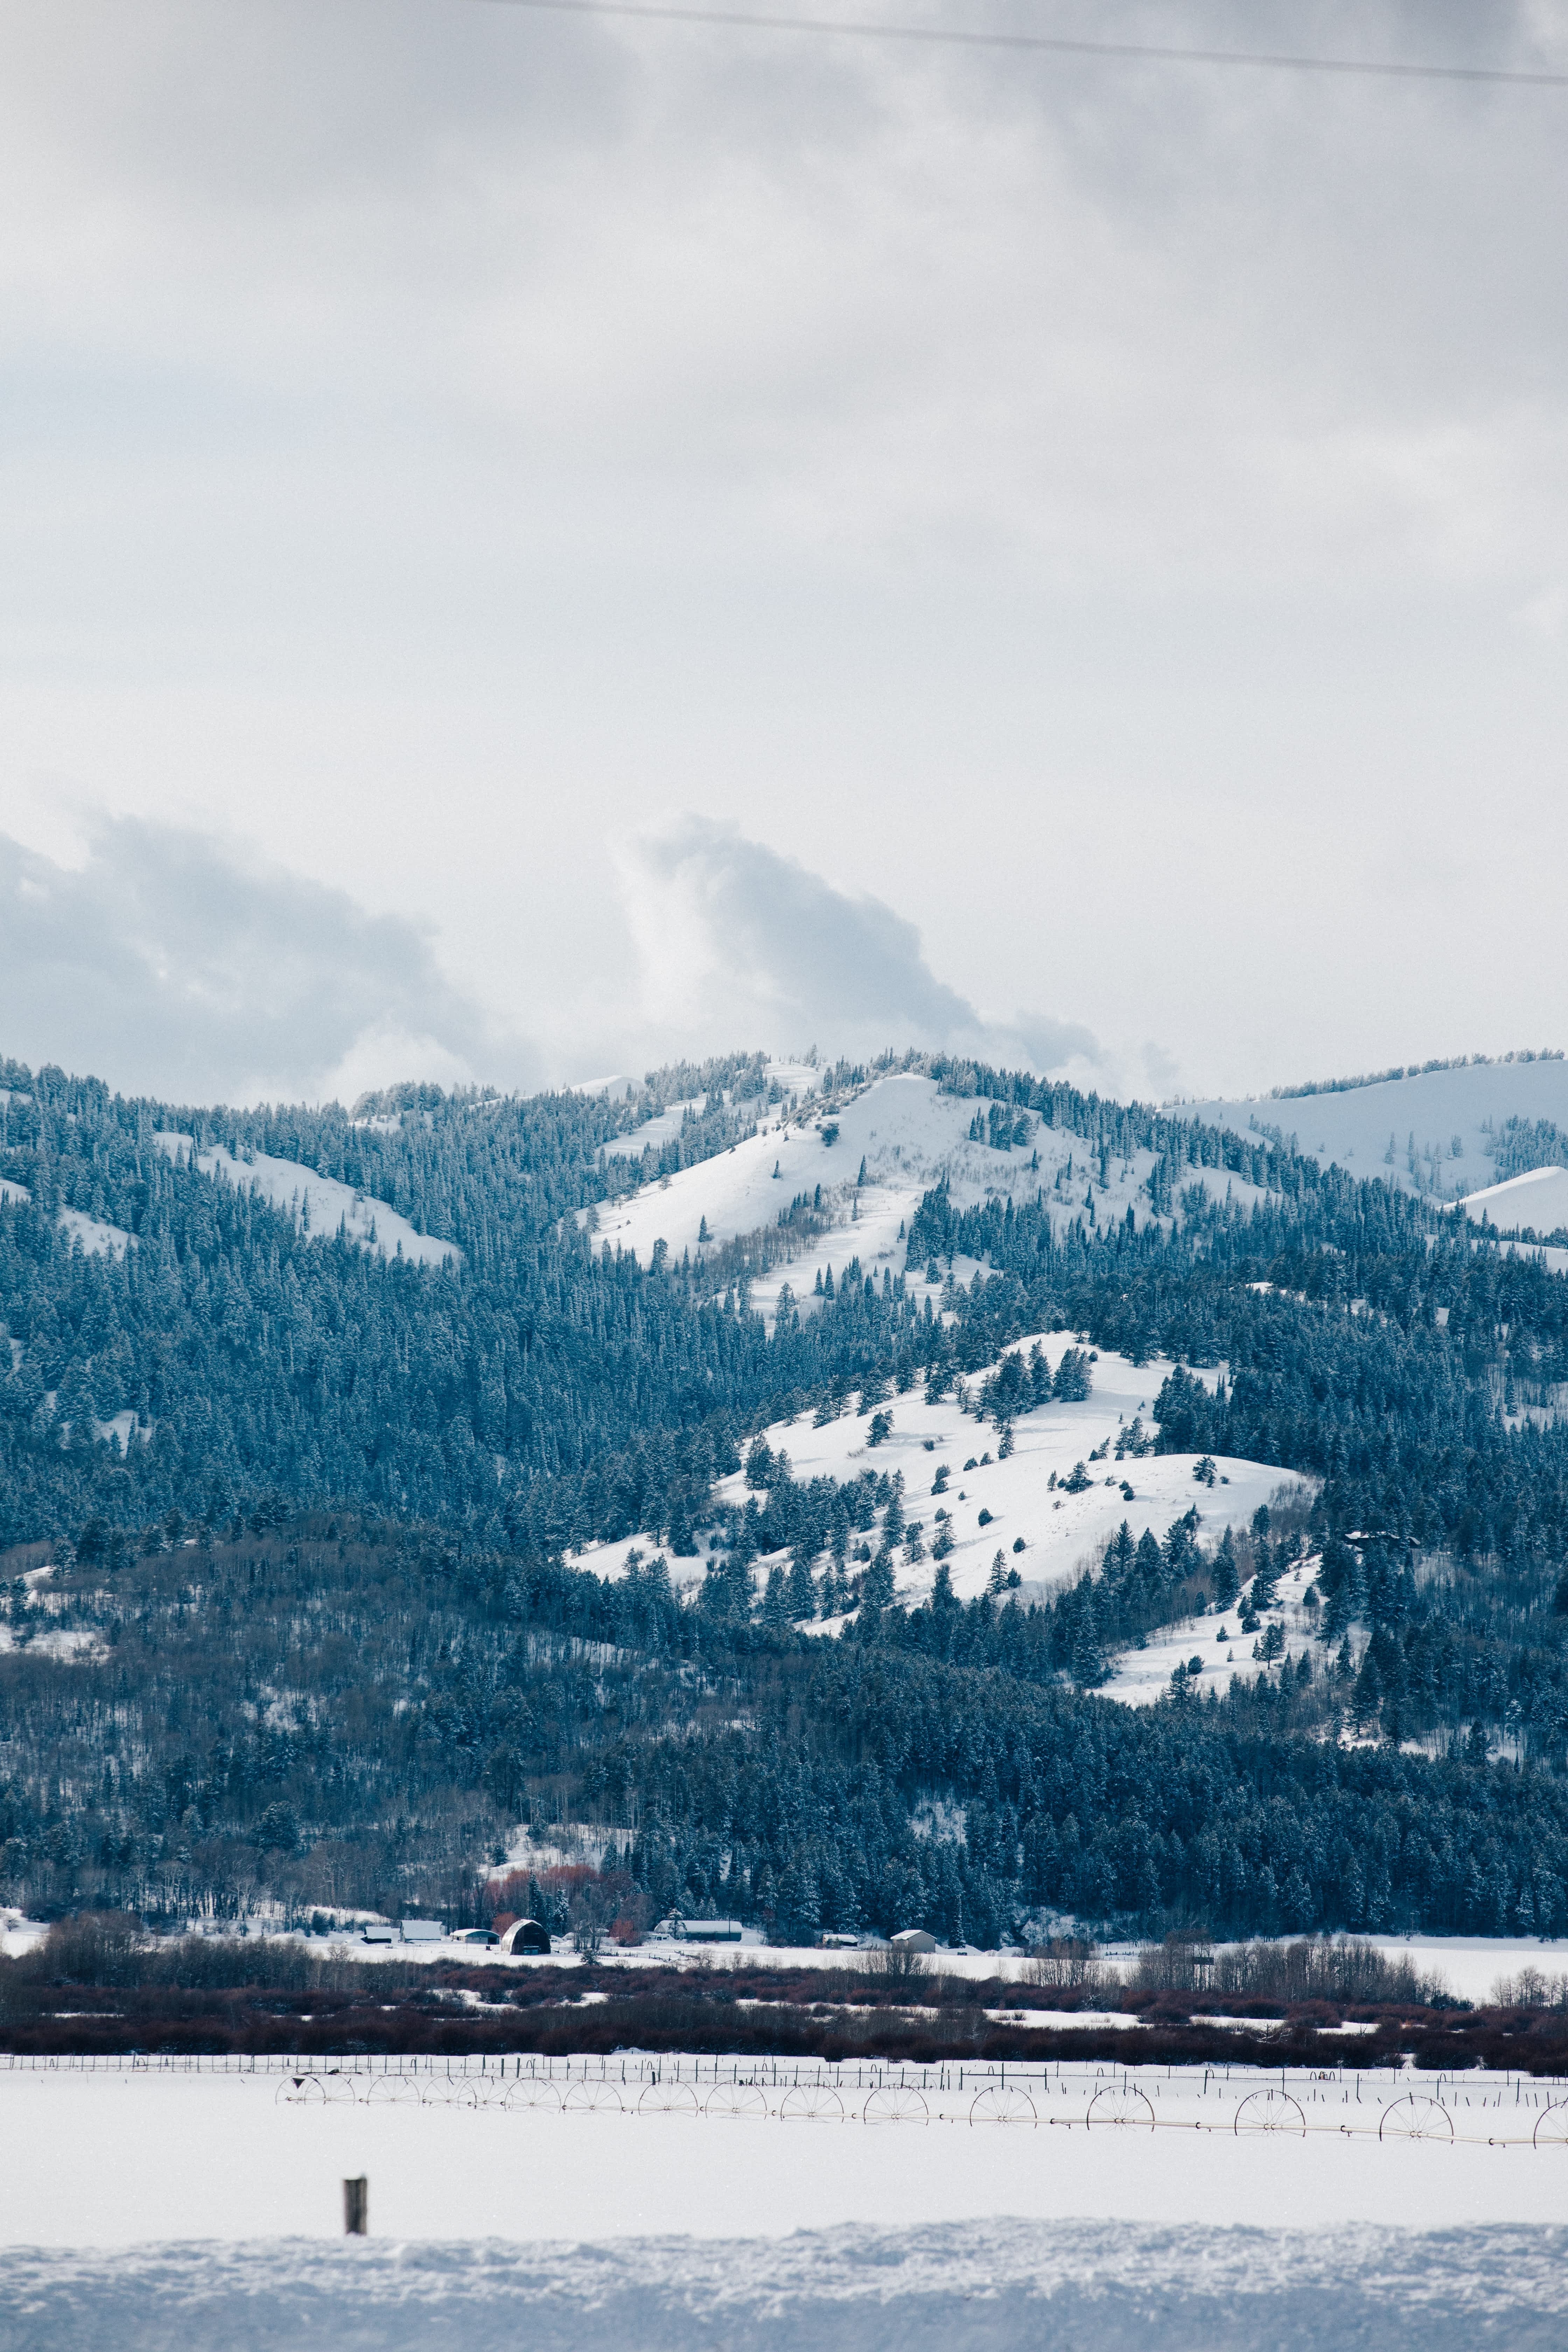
(161, 2208)
(978, 2287)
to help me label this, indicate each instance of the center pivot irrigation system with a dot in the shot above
(1476, 2109)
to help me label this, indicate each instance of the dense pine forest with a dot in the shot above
(311, 1640)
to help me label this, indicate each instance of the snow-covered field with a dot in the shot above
(153, 2210)
(236, 2162)
(319, 1204)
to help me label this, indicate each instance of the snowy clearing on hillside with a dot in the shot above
(319, 1205)
(1023, 1497)
(1357, 1126)
(910, 1136)
(69, 1645)
(663, 1127)
(1219, 1645)
(97, 1239)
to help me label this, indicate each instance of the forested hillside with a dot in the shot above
(331, 1715)
(310, 1633)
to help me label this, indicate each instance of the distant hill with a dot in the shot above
(327, 1440)
(1404, 1130)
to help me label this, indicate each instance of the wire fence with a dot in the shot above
(1499, 2110)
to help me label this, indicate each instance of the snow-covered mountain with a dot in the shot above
(906, 1135)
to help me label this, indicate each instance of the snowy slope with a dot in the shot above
(319, 1205)
(911, 1136)
(1224, 1653)
(97, 1239)
(1353, 1127)
(1537, 1201)
(1062, 1533)
(662, 1129)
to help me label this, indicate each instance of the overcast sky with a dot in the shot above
(531, 543)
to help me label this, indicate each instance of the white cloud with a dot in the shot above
(164, 963)
(738, 942)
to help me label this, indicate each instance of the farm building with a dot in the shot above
(526, 1936)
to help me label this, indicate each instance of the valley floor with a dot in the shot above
(120, 2157)
(147, 2209)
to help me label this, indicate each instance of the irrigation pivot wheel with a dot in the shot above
(593, 2099)
(318, 2090)
(1415, 2118)
(1270, 2111)
(896, 2105)
(388, 2089)
(450, 2091)
(736, 2101)
(1120, 2105)
(1551, 2125)
(1003, 2104)
(812, 2103)
(531, 2090)
(668, 2099)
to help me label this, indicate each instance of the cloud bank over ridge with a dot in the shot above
(171, 962)
(168, 964)
(732, 933)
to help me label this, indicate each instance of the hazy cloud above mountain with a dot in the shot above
(165, 961)
(731, 932)
(166, 964)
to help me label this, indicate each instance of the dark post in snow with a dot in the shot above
(356, 2206)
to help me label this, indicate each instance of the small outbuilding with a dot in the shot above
(422, 1931)
(476, 1935)
(913, 1940)
(526, 1936)
(378, 1932)
(710, 1931)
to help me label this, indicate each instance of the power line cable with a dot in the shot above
(668, 12)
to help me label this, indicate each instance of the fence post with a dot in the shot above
(356, 2206)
